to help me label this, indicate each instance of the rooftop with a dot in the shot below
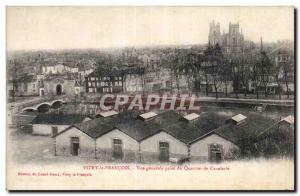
(172, 123)
(253, 126)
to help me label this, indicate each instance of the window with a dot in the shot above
(106, 90)
(117, 149)
(118, 83)
(164, 151)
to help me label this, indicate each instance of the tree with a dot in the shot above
(215, 59)
(255, 74)
(226, 73)
(277, 74)
(287, 69)
(235, 76)
(265, 70)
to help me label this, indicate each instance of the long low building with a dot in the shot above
(134, 137)
(53, 123)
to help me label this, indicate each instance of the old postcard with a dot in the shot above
(150, 98)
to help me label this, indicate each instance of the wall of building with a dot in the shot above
(130, 146)
(27, 89)
(68, 87)
(63, 143)
(43, 129)
(133, 83)
(199, 151)
(158, 79)
(150, 147)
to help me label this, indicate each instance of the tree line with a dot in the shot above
(214, 68)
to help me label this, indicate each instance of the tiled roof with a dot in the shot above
(96, 127)
(138, 129)
(210, 120)
(253, 125)
(99, 126)
(106, 72)
(175, 125)
(26, 78)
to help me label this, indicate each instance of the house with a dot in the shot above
(278, 139)
(134, 137)
(196, 132)
(245, 130)
(99, 138)
(24, 85)
(287, 124)
(168, 142)
(84, 72)
(59, 69)
(284, 59)
(53, 69)
(78, 88)
(80, 139)
(52, 123)
(158, 79)
(105, 81)
(115, 80)
(85, 67)
(133, 79)
(57, 84)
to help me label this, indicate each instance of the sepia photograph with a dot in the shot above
(150, 98)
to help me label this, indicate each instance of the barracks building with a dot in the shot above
(134, 137)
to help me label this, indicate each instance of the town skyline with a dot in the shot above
(56, 28)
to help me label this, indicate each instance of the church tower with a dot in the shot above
(234, 39)
(214, 36)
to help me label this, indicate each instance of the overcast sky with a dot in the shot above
(102, 27)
